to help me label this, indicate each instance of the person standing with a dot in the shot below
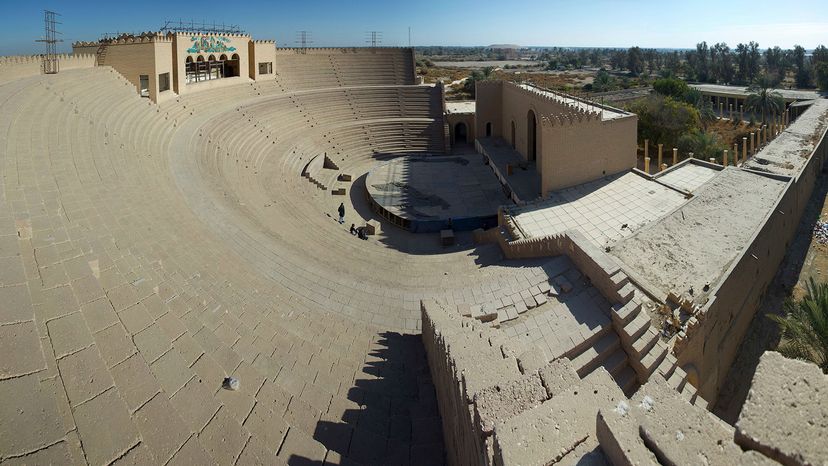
(341, 212)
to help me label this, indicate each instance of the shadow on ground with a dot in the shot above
(393, 417)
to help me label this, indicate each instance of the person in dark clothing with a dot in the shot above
(341, 212)
(353, 229)
(362, 233)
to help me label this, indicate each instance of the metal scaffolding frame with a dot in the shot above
(303, 39)
(50, 63)
(202, 27)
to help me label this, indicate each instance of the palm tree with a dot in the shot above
(805, 326)
(706, 113)
(764, 99)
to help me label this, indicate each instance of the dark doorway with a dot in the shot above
(513, 134)
(532, 136)
(489, 129)
(460, 133)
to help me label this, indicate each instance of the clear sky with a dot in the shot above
(587, 23)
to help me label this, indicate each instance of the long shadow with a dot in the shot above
(394, 419)
(763, 333)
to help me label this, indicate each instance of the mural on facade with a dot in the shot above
(210, 44)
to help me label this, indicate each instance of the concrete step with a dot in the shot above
(594, 355)
(642, 345)
(635, 328)
(648, 364)
(585, 344)
(628, 380)
(623, 314)
(616, 362)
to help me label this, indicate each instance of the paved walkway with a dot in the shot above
(605, 210)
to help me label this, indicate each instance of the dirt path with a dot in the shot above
(806, 258)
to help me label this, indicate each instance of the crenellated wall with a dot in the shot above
(16, 67)
(576, 141)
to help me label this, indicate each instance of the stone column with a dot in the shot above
(647, 165)
(675, 155)
(752, 142)
(764, 134)
(663, 167)
(744, 149)
(646, 148)
(659, 154)
(741, 113)
(724, 158)
(721, 109)
(731, 111)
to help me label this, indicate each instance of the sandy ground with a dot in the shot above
(806, 258)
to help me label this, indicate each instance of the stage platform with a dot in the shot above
(432, 193)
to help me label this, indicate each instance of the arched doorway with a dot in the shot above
(513, 134)
(460, 133)
(531, 136)
(489, 129)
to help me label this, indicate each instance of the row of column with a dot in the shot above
(750, 145)
(734, 106)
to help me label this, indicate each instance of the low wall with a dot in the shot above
(16, 67)
(602, 271)
(708, 346)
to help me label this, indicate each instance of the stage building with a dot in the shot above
(162, 65)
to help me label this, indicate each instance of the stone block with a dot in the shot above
(549, 432)
(29, 417)
(20, 350)
(505, 400)
(105, 428)
(372, 227)
(338, 192)
(344, 177)
(785, 416)
(558, 376)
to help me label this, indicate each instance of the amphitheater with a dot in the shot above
(148, 251)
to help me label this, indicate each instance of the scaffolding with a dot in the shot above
(200, 27)
(50, 64)
(303, 40)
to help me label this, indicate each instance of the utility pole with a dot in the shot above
(303, 38)
(374, 38)
(50, 59)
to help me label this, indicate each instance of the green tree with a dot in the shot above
(671, 87)
(635, 61)
(603, 82)
(805, 326)
(707, 114)
(477, 75)
(821, 75)
(803, 71)
(702, 144)
(664, 120)
(764, 99)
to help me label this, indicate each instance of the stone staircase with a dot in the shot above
(647, 354)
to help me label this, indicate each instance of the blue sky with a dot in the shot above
(647, 23)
